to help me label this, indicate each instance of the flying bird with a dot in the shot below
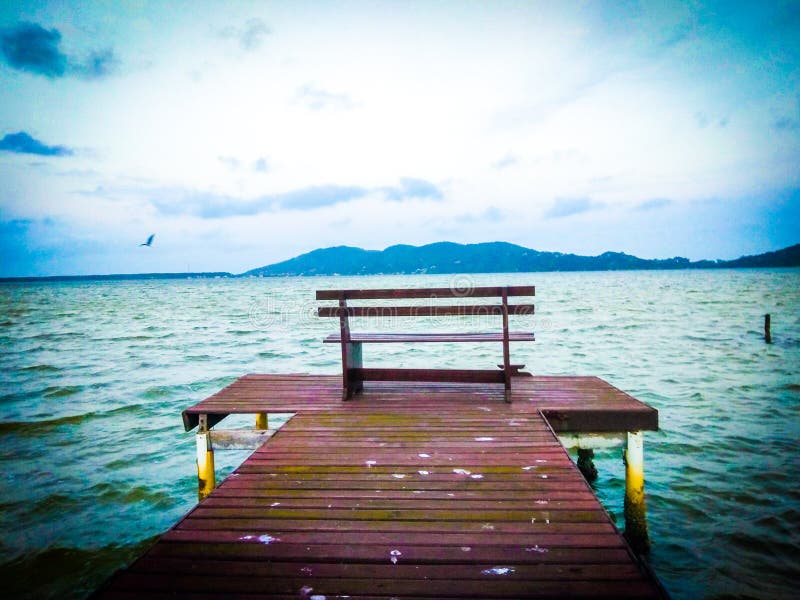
(149, 241)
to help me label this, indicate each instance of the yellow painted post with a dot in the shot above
(635, 509)
(262, 421)
(205, 464)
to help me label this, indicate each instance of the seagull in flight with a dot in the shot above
(149, 241)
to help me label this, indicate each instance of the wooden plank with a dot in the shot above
(372, 338)
(390, 312)
(352, 526)
(456, 375)
(402, 293)
(271, 523)
(387, 571)
(494, 587)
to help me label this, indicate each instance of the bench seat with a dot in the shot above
(388, 338)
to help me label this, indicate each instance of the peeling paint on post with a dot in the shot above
(205, 465)
(635, 509)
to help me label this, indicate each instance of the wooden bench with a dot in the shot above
(353, 371)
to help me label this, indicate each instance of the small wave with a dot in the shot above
(37, 427)
(58, 391)
(55, 504)
(41, 369)
(159, 391)
(118, 493)
(272, 354)
(129, 338)
(792, 387)
(44, 426)
(56, 335)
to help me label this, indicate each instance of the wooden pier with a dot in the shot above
(408, 490)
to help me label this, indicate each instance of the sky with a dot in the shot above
(245, 133)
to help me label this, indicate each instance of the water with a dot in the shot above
(94, 462)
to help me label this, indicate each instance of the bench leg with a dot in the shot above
(351, 385)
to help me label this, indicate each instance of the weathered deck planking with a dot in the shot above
(423, 491)
(569, 403)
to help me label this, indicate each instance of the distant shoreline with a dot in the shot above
(116, 277)
(447, 258)
(174, 276)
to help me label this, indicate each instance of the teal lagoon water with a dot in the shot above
(94, 462)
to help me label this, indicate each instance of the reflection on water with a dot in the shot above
(94, 461)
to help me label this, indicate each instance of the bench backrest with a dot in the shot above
(430, 310)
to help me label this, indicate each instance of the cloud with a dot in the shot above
(229, 161)
(786, 124)
(261, 165)
(206, 205)
(412, 188)
(507, 161)
(319, 196)
(492, 214)
(32, 48)
(251, 36)
(23, 143)
(653, 204)
(210, 205)
(565, 207)
(99, 64)
(703, 120)
(317, 99)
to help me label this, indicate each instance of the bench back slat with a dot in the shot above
(397, 293)
(424, 311)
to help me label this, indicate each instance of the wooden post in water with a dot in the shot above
(635, 509)
(206, 481)
(586, 464)
(767, 332)
(262, 421)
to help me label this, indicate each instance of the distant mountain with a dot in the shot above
(492, 257)
(447, 257)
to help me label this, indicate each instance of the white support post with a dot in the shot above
(205, 461)
(635, 508)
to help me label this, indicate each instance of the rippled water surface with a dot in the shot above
(94, 462)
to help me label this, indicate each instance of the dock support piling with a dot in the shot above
(205, 464)
(767, 329)
(586, 464)
(635, 509)
(262, 421)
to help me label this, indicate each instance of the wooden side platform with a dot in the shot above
(406, 491)
(571, 404)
